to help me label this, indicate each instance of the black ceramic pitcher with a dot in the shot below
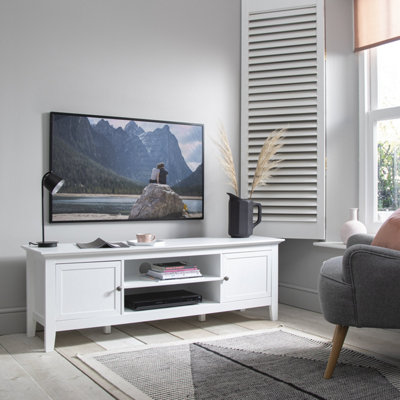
(241, 216)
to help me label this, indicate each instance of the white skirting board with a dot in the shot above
(12, 321)
(299, 297)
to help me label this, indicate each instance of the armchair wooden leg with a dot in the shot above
(337, 343)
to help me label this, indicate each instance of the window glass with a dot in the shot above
(388, 147)
(380, 134)
(388, 76)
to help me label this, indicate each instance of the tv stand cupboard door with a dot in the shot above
(88, 289)
(246, 276)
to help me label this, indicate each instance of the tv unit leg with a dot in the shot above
(107, 329)
(49, 339)
(201, 318)
(30, 326)
(273, 312)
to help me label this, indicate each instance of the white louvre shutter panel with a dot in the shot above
(283, 87)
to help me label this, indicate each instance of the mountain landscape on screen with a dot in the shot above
(119, 153)
(113, 156)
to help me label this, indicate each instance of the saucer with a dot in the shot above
(154, 242)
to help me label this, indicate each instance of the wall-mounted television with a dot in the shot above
(126, 169)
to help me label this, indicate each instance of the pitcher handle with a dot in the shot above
(259, 216)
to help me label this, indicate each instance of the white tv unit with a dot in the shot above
(72, 288)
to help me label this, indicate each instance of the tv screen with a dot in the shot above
(126, 169)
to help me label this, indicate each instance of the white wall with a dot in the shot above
(174, 60)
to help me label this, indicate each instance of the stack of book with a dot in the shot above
(173, 270)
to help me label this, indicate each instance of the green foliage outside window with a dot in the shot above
(388, 176)
(388, 135)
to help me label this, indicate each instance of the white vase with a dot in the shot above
(352, 226)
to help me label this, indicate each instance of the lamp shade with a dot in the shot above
(52, 182)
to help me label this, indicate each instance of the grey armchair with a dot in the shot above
(360, 289)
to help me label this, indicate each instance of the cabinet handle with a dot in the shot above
(119, 288)
(226, 278)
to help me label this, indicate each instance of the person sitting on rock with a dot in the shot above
(162, 176)
(155, 174)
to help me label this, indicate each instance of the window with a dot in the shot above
(379, 133)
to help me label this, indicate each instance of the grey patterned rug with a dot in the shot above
(279, 364)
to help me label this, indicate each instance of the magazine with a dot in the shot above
(101, 244)
(174, 275)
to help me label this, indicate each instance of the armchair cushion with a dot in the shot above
(389, 233)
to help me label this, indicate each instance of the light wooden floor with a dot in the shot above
(27, 373)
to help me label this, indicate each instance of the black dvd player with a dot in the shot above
(152, 300)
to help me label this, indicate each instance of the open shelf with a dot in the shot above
(144, 281)
(203, 304)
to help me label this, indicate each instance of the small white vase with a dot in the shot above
(352, 226)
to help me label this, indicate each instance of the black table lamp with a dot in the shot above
(52, 183)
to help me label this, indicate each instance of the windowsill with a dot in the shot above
(331, 245)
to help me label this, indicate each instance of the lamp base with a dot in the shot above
(47, 244)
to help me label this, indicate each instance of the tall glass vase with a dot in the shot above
(352, 226)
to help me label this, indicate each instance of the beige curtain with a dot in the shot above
(375, 22)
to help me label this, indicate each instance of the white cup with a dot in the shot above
(145, 237)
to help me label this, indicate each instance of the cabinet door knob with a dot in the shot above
(119, 288)
(226, 278)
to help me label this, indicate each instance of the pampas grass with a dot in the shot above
(265, 164)
(227, 159)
